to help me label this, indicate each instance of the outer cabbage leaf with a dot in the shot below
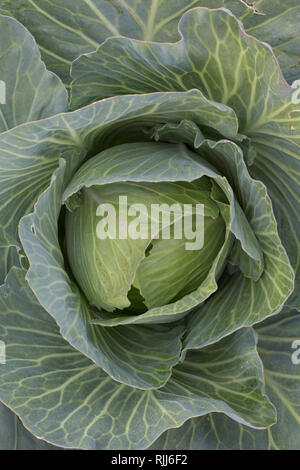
(65, 31)
(13, 435)
(216, 431)
(31, 92)
(277, 23)
(8, 257)
(64, 398)
(80, 26)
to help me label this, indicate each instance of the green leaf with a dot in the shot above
(63, 32)
(241, 301)
(13, 435)
(213, 431)
(278, 167)
(278, 346)
(31, 92)
(8, 258)
(214, 55)
(249, 80)
(217, 431)
(186, 269)
(64, 398)
(277, 23)
(142, 162)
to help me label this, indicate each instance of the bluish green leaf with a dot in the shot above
(63, 33)
(278, 346)
(277, 23)
(8, 258)
(31, 92)
(213, 431)
(241, 301)
(278, 349)
(64, 398)
(214, 55)
(13, 435)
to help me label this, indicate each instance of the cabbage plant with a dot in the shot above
(110, 342)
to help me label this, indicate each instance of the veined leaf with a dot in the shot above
(8, 258)
(79, 26)
(13, 435)
(53, 379)
(278, 350)
(65, 31)
(29, 92)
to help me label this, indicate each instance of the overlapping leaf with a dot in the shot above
(8, 258)
(52, 379)
(202, 59)
(143, 171)
(30, 91)
(240, 300)
(215, 56)
(155, 163)
(65, 31)
(279, 349)
(79, 26)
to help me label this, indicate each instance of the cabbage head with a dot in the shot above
(185, 334)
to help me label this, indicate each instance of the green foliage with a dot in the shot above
(135, 344)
